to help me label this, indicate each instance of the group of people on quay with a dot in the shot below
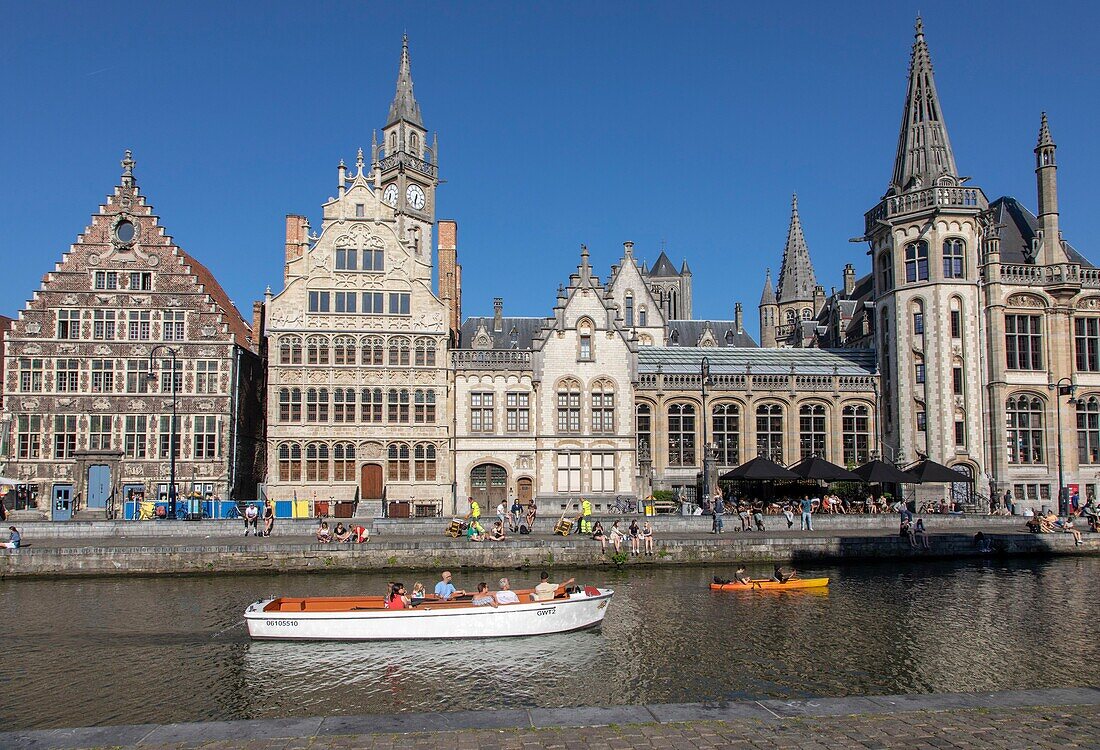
(397, 597)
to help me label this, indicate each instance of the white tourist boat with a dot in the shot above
(365, 618)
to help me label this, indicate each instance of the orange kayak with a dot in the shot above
(767, 584)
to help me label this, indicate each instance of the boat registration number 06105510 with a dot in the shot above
(547, 611)
(282, 623)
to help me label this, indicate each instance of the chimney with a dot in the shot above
(297, 233)
(628, 249)
(819, 298)
(450, 276)
(258, 337)
(738, 319)
(849, 279)
(498, 314)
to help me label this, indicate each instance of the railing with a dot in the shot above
(407, 159)
(1059, 273)
(490, 359)
(933, 197)
(651, 381)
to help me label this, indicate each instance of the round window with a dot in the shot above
(125, 231)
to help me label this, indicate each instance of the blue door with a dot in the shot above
(99, 486)
(62, 507)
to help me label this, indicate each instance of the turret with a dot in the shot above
(1046, 176)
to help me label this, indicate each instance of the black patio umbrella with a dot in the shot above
(814, 467)
(760, 468)
(927, 471)
(878, 472)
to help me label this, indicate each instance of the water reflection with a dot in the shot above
(125, 651)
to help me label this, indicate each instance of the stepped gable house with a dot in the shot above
(91, 427)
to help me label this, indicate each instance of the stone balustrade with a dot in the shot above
(491, 359)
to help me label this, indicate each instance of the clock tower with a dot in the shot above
(406, 168)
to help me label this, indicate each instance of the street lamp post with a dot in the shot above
(708, 460)
(1064, 387)
(171, 511)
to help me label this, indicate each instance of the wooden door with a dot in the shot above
(524, 491)
(370, 485)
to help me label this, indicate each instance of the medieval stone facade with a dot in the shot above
(90, 365)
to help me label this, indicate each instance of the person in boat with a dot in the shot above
(269, 517)
(545, 590)
(647, 538)
(782, 575)
(616, 536)
(635, 536)
(398, 599)
(445, 590)
(506, 595)
(418, 591)
(742, 575)
(599, 536)
(497, 534)
(324, 536)
(483, 598)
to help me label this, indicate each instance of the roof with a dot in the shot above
(1017, 228)
(404, 106)
(924, 150)
(767, 297)
(242, 332)
(663, 266)
(682, 359)
(796, 274)
(689, 332)
(515, 333)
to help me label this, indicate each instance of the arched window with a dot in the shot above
(806, 313)
(290, 350)
(290, 462)
(856, 434)
(729, 337)
(603, 406)
(769, 432)
(674, 337)
(343, 405)
(886, 270)
(811, 430)
(371, 405)
(399, 351)
(425, 353)
(397, 462)
(645, 340)
(343, 462)
(343, 350)
(642, 316)
(681, 435)
(916, 261)
(317, 350)
(424, 459)
(790, 317)
(643, 428)
(726, 428)
(629, 309)
(918, 318)
(316, 462)
(569, 406)
(372, 351)
(393, 141)
(1088, 430)
(414, 143)
(585, 351)
(953, 250)
(1024, 417)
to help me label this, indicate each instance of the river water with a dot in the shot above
(121, 651)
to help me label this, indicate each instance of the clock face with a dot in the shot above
(414, 196)
(389, 195)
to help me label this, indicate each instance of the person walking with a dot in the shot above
(585, 517)
(807, 506)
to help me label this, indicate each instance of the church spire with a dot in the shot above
(404, 106)
(768, 296)
(924, 150)
(796, 275)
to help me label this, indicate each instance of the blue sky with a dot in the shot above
(559, 123)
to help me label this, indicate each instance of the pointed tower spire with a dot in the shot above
(1046, 177)
(768, 297)
(924, 150)
(796, 275)
(1044, 133)
(404, 106)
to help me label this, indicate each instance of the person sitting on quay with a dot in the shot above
(445, 590)
(743, 514)
(532, 513)
(506, 595)
(1068, 528)
(599, 536)
(269, 517)
(14, 538)
(920, 535)
(517, 513)
(758, 516)
(616, 536)
(359, 534)
(635, 536)
(782, 576)
(497, 534)
(483, 598)
(341, 533)
(324, 536)
(502, 513)
(475, 532)
(647, 539)
(789, 515)
(982, 544)
(906, 532)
